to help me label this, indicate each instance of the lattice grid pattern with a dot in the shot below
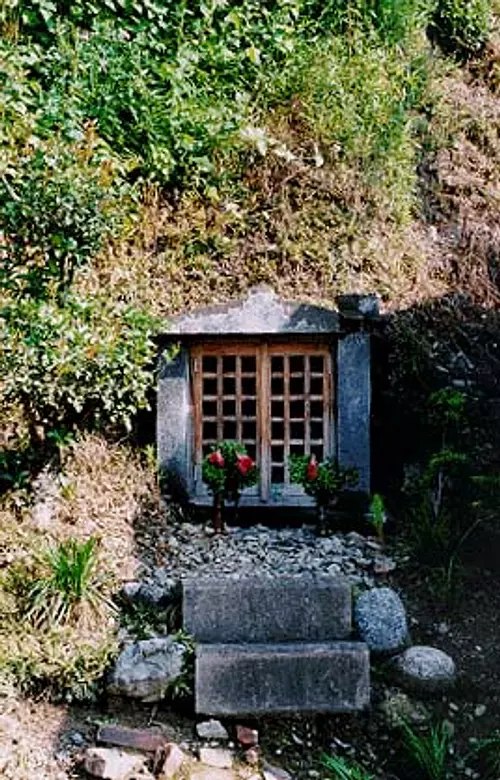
(275, 399)
(299, 415)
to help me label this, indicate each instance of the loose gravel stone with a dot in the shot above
(273, 551)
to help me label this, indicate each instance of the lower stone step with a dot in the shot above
(276, 679)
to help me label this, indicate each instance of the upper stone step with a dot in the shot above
(276, 679)
(309, 608)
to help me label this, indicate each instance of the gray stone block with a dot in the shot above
(354, 405)
(282, 678)
(174, 418)
(259, 609)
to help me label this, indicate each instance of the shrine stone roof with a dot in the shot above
(262, 312)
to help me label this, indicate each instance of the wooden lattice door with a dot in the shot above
(276, 399)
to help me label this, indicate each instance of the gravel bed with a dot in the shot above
(191, 550)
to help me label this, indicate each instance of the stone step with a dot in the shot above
(277, 679)
(267, 609)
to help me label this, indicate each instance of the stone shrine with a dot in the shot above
(281, 377)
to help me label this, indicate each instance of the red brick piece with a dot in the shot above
(140, 739)
(246, 736)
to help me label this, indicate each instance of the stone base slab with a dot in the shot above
(282, 678)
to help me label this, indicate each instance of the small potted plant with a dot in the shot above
(227, 470)
(323, 481)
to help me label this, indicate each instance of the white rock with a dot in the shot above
(211, 729)
(211, 773)
(216, 757)
(174, 760)
(111, 764)
(275, 773)
(425, 669)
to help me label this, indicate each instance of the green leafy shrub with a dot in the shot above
(461, 26)
(228, 469)
(57, 626)
(86, 363)
(55, 212)
(448, 497)
(323, 481)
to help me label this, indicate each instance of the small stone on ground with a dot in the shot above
(211, 729)
(111, 764)
(425, 669)
(174, 759)
(246, 736)
(216, 757)
(211, 773)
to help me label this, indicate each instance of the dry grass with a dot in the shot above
(294, 230)
(103, 490)
(461, 187)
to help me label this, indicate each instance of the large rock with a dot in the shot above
(145, 669)
(282, 678)
(425, 669)
(381, 620)
(265, 609)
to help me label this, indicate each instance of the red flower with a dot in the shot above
(244, 464)
(312, 469)
(216, 459)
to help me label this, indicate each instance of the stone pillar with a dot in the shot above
(174, 418)
(353, 404)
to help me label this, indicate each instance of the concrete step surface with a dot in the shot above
(309, 608)
(278, 679)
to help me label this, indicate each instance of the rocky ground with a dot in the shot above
(50, 742)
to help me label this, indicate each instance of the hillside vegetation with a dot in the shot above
(163, 154)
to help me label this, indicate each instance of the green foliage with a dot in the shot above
(344, 770)
(55, 212)
(377, 515)
(57, 628)
(84, 364)
(430, 750)
(325, 481)
(488, 749)
(182, 687)
(144, 620)
(69, 582)
(462, 27)
(227, 470)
